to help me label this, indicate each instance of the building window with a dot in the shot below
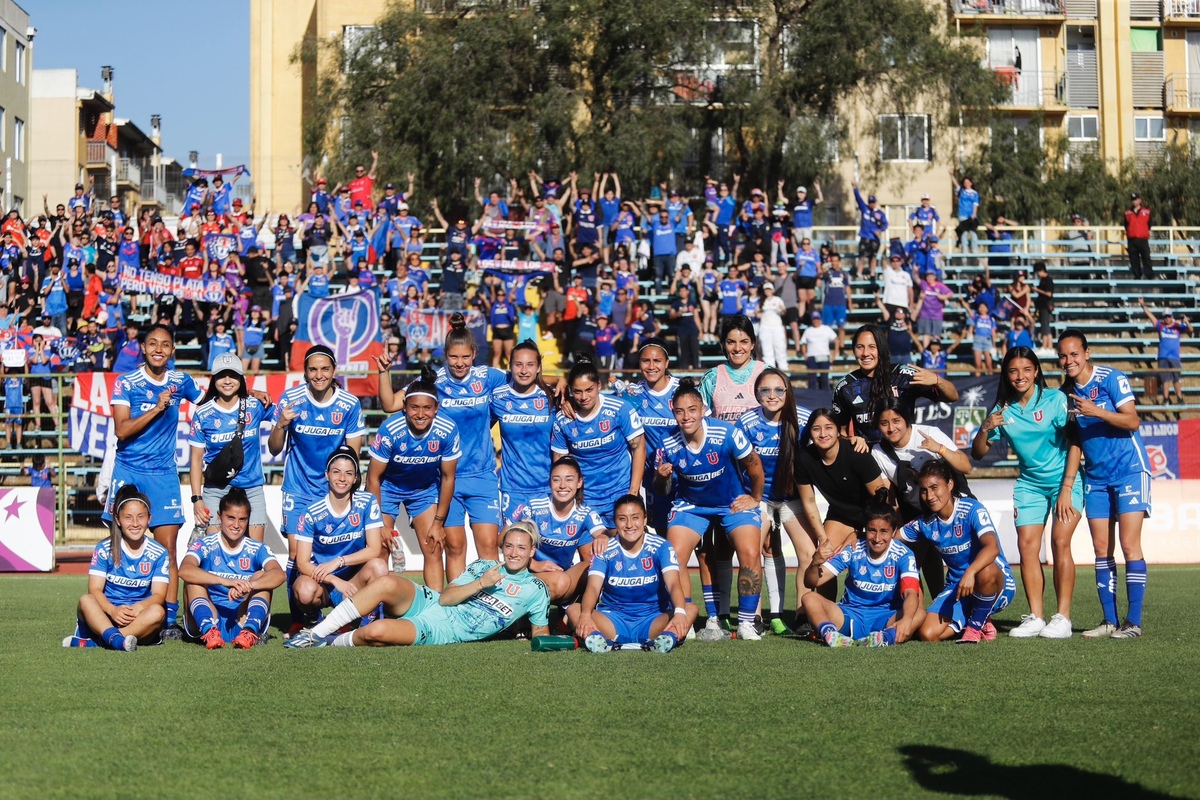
(19, 204)
(1149, 129)
(353, 39)
(904, 137)
(3, 127)
(20, 63)
(1083, 128)
(3, 49)
(18, 139)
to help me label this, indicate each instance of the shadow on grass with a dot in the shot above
(950, 771)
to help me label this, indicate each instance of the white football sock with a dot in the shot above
(345, 640)
(344, 614)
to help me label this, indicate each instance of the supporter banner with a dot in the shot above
(90, 423)
(1162, 449)
(348, 324)
(225, 172)
(427, 327)
(507, 225)
(1188, 447)
(147, 281)
(27, 529)
(218, 246)
(516, 274)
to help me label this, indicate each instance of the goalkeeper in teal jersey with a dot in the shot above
(484, 600)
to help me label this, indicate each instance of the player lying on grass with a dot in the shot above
(979, 582)
(485, 599)
(633, 595)
(228, 578)
(881, 604)
(338, 538)
(127, 581)
(570, 532)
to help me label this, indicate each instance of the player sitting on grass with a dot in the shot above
(127, 581)
(228, 578)
(882, 601)
(484, 600)
(979, 582)
(633, 595)
(338, 538)
(569, 531)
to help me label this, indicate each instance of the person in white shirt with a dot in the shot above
(772, 335)
(815, 347)
(897, 286)
(690, 256)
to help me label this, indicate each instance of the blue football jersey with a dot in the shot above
(493, 609)
(633, 582)
(467, 403)
(332, 536)
(525, 422)
(130, 582)
(317, 430)
(213, 428)
(239, 564)
(1109, 455)
(654, 410)
(874, 583)
(764, 438)
(710, 477)
(562, 537)
(601, 445)
(414, 463)
(152, 450)
(957, 539)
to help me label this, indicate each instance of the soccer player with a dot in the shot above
(633, 594)
(524, 411)
(570, 532)
(414, 457)
(228, 579)
(1117, 472)
(311, 421)
(485, 599)
(774, 432)
(720, 484)
(979, 583)
(859, 396)
(1037, 426)
(145, 407)
(127, 580)
(605, 436)
(214, 427)
(881, 605)
(338, 538)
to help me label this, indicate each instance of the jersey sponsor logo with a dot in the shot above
(476, 386)
(355, 518)
(1037, 415)
(647, 562)
(144, 567)
(244, 563)
(713, 458)
(633, 580)
(605, 425)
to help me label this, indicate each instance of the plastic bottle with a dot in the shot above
(542, 644)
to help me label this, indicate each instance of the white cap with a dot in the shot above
(402, 206)
(925, 197)
(801, 189)
(227, 362)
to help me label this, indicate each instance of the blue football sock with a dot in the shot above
(981, 609)
(256, 616)
(747, 607)
(710, 600)
(293, 609)
(889, 636)
(172, 614)
(826, 629)
(1135, 588)
(1106, 585)
(203, 613)
(113, 639)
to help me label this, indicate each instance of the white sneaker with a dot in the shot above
(712, 631)
(747, 632)
(1030, 627)
(691, 634)
(1102, 631)
(1059, 627)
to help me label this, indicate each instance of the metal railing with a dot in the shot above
(1027, 8)
(1033, 88)
(99, 153)
(129, 171)
(1182, 91)
(1181, 8)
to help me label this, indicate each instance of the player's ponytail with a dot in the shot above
(584, 368)
(425, 384)
(687, 388)
(459, 335)
(526, 527)
(128, 493)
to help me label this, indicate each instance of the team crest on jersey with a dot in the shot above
(508, 405)
(149, 395)
(571, 529)
(1094, 392)
(144, 567)
(619, 566)
(404, 447)
(355, 518)
(512, 589)
(477, 387)
(713, 458)
(1037, 416)
(647, 563)
(958, 531)
(336, 417)
(217, 422)
(605, 425)
(244, 563)
(434, 445)
(889, 572)
(539, 403)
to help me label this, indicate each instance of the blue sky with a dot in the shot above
(204, 108)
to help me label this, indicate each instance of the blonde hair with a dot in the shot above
(526, 527)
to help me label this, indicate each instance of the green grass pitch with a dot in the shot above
(777, 718)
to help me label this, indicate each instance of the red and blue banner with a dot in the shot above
(348, 324)
(218, 246)
(146, 281)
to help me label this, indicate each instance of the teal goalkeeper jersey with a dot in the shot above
(1037, 433)
(491, 610)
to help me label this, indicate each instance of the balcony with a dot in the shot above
(99, 154)
(1038, 9)
(1183, 94)
(1034, 89)
(1182, 11)
(130, 172)
(460, 6)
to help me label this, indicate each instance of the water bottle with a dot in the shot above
(398, 560)
(544, 644)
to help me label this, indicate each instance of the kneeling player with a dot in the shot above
(338, 538)
(127, 581)
(979, 582)
(882, 600)
(633, 595)
(484, 600)
(568, 530)
(228, 580)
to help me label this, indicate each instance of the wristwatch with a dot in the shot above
(197, 498)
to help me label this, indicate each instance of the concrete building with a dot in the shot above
(16, 68)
